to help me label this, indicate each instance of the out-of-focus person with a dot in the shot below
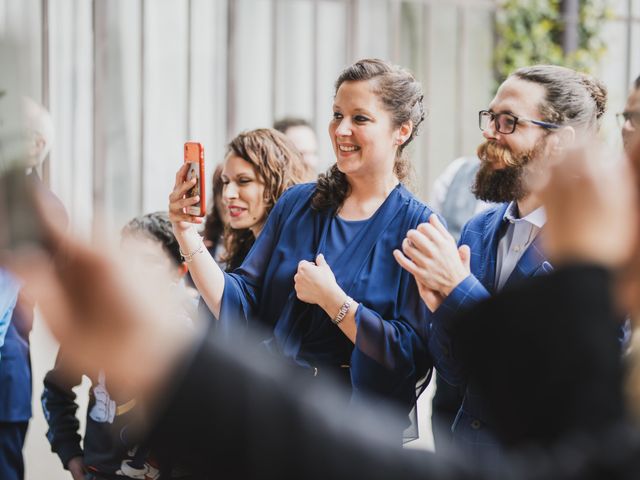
(304, 138)
(15, 370)
(629, 119)
(109, 449)
(537, 113)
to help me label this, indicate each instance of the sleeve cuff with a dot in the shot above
(68, 451)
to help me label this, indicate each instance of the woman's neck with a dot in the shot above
(366, 195)
(257, 228)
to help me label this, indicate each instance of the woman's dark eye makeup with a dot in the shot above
(357, 118)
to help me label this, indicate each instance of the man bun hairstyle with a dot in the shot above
(402, 96)
(572, 98)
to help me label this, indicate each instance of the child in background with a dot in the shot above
(150, 249)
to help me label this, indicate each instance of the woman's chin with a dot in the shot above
(347, 165)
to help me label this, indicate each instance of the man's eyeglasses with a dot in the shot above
(632, 117)
(506, 123)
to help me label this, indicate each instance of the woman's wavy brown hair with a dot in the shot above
(401, 95)
(278, 165)
(214, 225)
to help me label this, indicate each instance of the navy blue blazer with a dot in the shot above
(15, 369)
(390, 353)
(482, 233)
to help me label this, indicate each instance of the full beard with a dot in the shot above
(504, 184)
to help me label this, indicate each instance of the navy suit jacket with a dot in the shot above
(15, 368)
(482, 233)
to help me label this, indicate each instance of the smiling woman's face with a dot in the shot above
(361, 130)
(243, 194)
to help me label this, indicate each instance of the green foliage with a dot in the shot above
(530, 32)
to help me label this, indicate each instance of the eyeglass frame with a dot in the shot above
(627, 116)
(493, 117)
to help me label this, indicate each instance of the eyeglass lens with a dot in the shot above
(504, 122)
(633, 117)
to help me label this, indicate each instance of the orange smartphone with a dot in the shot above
(194, 156)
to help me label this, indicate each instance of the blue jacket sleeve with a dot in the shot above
(59, 407)
(441, 343)
(243, 286)
(391, 354)
(468, 293)
(389, 357)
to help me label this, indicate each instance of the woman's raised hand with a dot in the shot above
(316, 284)
(181, 220)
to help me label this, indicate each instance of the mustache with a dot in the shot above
(491, 151)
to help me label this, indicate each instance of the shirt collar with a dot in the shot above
(537, 218)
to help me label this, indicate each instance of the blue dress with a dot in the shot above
(390, 353)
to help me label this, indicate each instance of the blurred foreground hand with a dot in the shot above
(592, 209)
(107, 317)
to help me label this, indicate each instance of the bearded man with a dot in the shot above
(536, 112)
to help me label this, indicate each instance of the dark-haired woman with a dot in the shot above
(258, 167)
(321, 275)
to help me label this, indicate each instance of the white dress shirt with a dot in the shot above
(520, 233)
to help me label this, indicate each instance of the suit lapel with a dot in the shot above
(489, 247)
(532, 260)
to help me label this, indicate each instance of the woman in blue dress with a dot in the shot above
(321, 276)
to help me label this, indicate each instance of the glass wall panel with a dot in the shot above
(294, 58)
(442, 99)
(22, 20)
(71, 105)
(612, 72)
(331, 57)
(372, 31)
(253, 64)
(476, 78)
(208, 100)
(165, 97)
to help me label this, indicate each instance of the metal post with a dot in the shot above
(99, 15)
(231, 69)
(189, 73)
(461, 73)
(141, 160)
(395, 26)
(275, 64)
(46, 173)
(571, 16)
(629, 22)
(315, 45)
(426, 72)
(352, 31)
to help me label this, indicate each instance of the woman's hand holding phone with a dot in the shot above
(179, 202)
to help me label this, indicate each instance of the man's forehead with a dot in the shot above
(520, 97)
